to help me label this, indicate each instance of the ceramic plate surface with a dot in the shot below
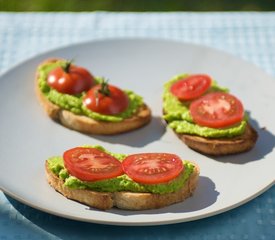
(29, 137)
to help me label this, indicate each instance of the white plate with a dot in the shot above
(28, 136)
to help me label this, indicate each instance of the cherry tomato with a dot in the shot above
(217, 110)
(191, 87)
(106, 99)
(70, 79)
(91, 164)
(152, 168)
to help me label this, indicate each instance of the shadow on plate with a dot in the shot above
(204, 196)
(63, 228)
(139, 137)
(264, 145)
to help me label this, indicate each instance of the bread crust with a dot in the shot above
(222, 146)
(88, 125)
(123, 200)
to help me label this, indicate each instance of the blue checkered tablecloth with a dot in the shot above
(250, 36)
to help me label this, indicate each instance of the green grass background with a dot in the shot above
(137, 5)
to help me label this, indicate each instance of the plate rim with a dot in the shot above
(74, 45)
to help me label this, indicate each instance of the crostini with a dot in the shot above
(206, 117)
(98, 178)
(73, 96)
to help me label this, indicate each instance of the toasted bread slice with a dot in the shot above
(88, 125)
(124, 200)
(222, 146)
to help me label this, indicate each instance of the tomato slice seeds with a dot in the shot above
(191, 87)
(91, 164)
(217, 110)
(152, 168)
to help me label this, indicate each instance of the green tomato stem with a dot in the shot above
(104, 88)
(67, 65)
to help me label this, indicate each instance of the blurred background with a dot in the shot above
(137, 5)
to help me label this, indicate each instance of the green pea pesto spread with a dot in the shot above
(74, 104)
(120, 183)
(178, 116)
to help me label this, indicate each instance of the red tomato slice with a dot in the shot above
(91, 164)
(191, 87)
(152, 168)
(217, 110)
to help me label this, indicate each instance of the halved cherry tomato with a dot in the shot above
(191, 87)
(91, 164)
(217, 110)
(152, 168)
(70, 79)
(106, 99)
